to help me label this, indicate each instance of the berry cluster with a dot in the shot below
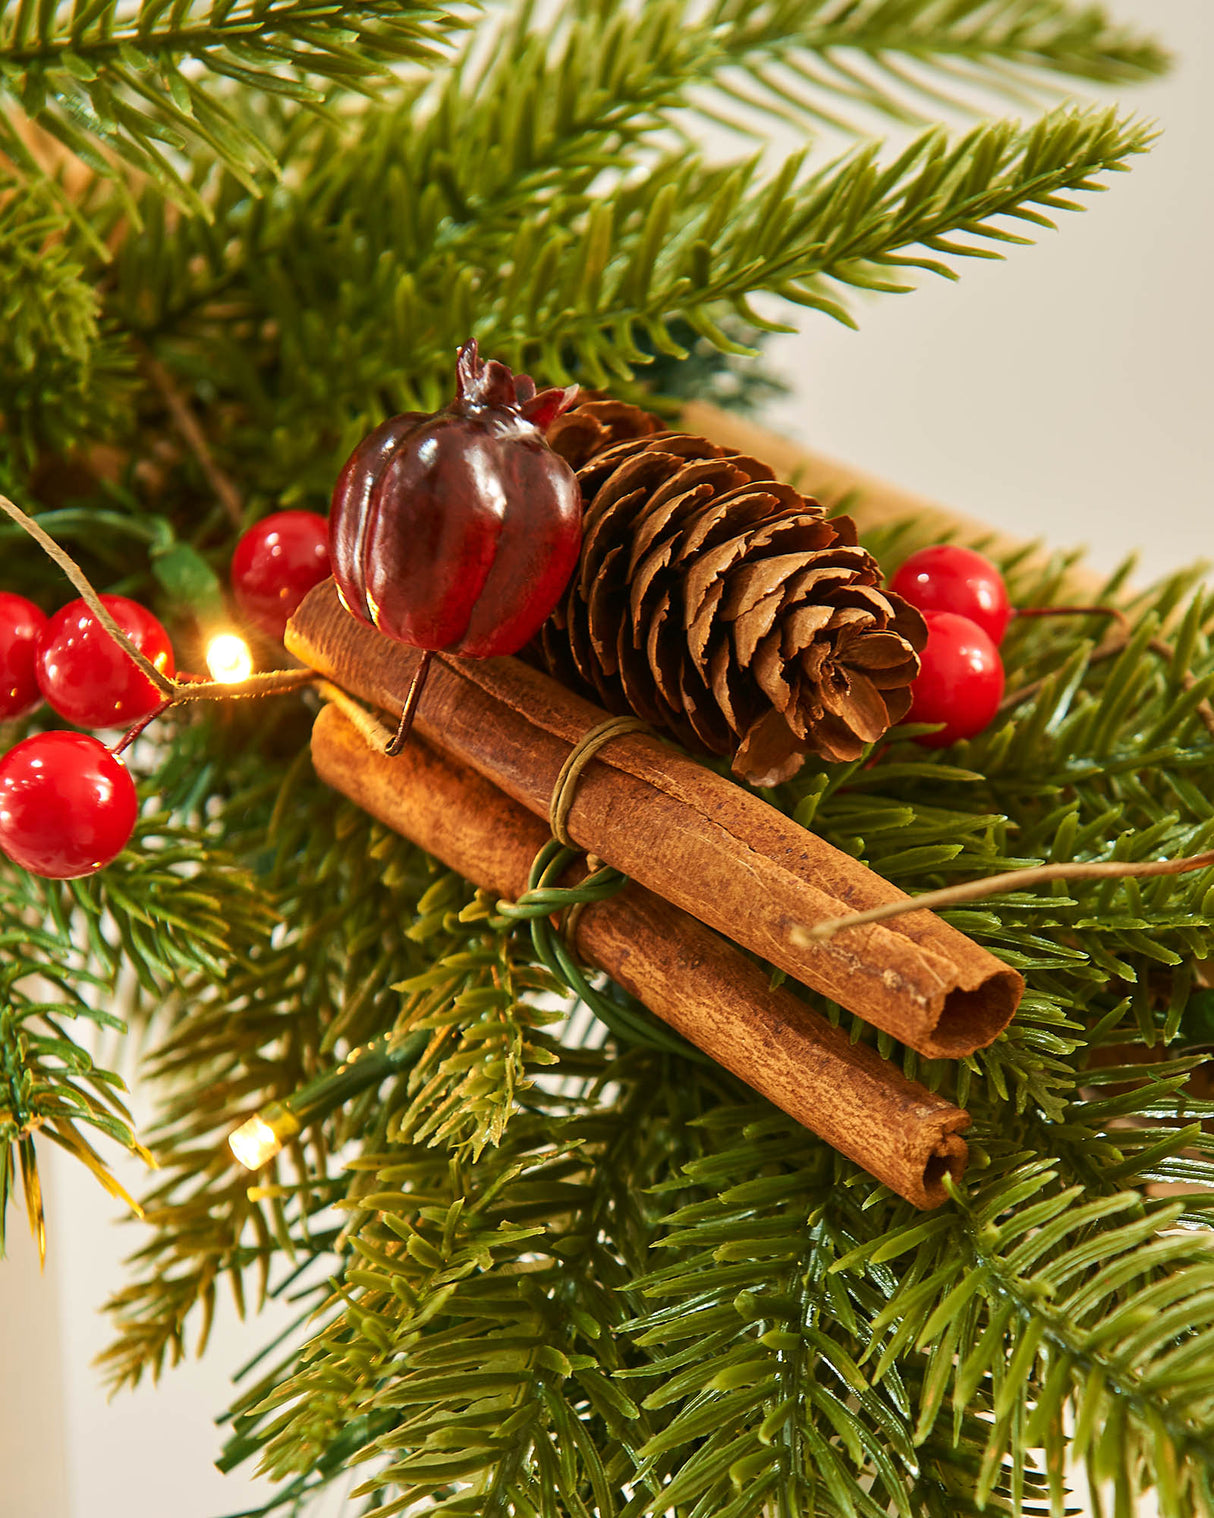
(67, 804)
(964, 603)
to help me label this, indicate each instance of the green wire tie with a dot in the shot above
(544, 898)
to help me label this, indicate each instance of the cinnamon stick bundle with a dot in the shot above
(697, 840)
(685, 973)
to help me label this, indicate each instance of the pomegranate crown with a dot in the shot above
(481, 382)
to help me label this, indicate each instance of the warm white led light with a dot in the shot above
(254, 1143)
(229, 659)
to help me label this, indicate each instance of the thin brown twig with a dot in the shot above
(1115, 613)
(1107, 650)
(996, 885)
(194, 438)
(269, 682)
(1187, 679)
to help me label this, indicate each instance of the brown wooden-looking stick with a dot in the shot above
(685, 973)
(689, 835)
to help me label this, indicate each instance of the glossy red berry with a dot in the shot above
(87, 677)
(67, 806)
(21, 625)
(459, 531)
(960, 680)
(950, 578)
(276, 563)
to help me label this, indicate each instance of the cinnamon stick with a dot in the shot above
(684, 972)
(696, 839)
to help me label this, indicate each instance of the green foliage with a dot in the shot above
(62, 371)
(539, 1276)
(168, 912)
(484, 1034)
(649, 1292)
(571, 289)
(99, 75)
(809, 1338)
(898, 58)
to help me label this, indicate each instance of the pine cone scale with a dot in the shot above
(857, 702)
(800, 627)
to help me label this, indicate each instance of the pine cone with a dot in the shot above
(596, 425)
(722, 605)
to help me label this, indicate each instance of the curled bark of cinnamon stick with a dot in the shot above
(688, 975)
(694, 838)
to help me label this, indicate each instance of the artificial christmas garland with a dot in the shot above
(579, 1274)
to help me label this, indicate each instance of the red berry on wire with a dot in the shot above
(960, 680)
(21, 624)
(84, 674)
(67, 806)
(276, 563)
(950, 578)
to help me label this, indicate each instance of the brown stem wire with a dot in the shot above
(1034, 875)
(268, 682)
(194, 437)
(1107, 650)
(996, 885)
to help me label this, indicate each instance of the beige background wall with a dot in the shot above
(1066, 392)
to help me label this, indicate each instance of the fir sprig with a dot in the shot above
(155, 917)
(571, 292)
(99, 73)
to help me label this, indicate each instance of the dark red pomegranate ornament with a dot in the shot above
(458, 531)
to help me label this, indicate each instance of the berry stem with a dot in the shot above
(995, 885)
(76, 575)
(133, 732)
(1107, 650)
(1114, 612)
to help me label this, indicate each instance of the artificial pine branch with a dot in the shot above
(679, 1299)
(96, 73)
(731, 1243)
(571, 293)
(157, 914)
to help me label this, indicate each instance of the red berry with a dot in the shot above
(460, 530)
(21, 623)
(87, 677)
(276, 563)
(67, 806)
(960, 680)
(948, 578)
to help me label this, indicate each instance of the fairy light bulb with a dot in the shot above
(229, 659)
(260, 1137)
